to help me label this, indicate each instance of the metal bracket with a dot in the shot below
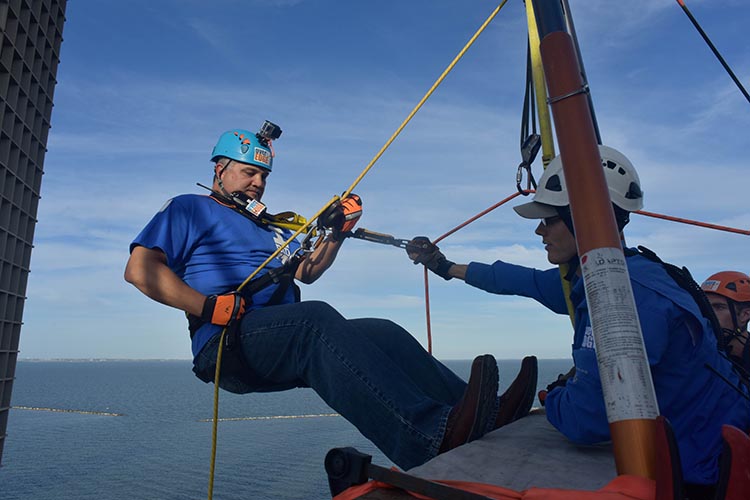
(583, 90)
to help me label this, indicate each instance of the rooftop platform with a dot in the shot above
(528, 452)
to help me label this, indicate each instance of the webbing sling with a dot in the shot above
(234, 361)
(283, 275)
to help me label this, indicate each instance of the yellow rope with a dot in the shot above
(540, 88)
(217, 373)
(424, 99)
(545, 127)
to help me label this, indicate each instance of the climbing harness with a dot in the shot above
(305, 227)
(283, 277)
(256, 211)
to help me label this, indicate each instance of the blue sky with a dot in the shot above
(145, 88)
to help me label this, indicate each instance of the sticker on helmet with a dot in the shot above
(262, 156)
(711, 285)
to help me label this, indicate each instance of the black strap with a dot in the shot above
(347, 467)
(685, 280)
(283, 276)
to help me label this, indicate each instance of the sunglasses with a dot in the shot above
(548, 221)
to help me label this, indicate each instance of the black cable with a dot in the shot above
(713, 49)
(574, 37)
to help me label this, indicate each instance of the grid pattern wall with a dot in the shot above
(30, 38)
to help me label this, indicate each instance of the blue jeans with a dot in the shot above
(371, 371)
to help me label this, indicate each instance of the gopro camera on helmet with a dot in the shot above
(269, 132)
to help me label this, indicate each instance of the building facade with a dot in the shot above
(30, 39)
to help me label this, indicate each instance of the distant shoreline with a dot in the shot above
(102, 360)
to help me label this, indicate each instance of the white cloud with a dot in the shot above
(130, 133)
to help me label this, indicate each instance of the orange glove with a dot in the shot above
(352, 206)
(342, 215)
(223, 309)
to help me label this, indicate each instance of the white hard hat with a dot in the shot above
(622, 181)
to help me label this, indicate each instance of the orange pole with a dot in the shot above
(628, 390)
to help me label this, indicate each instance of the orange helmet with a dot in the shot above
(733, 285)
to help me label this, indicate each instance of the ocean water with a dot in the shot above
(137, 430)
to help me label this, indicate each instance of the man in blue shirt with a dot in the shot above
(197, 250)
(679, 340)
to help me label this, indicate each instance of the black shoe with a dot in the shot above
(469, 419)
(516, 402)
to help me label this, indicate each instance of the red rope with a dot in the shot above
(427, 310)
(506, 200)
(694, 223)
(460, 226)
(480, 214)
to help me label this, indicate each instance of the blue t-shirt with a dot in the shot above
(678, 341)
(213, 249)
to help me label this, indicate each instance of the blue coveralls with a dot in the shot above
(678, 340)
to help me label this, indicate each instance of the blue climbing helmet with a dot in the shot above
(244, 146)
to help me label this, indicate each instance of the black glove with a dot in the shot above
(560, 382)
(562, 379)
(422, 251)
(332, 217)
(341, 216)
(223, 309)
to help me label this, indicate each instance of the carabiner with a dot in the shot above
(530, 181)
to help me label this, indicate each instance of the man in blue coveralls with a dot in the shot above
(678, 338)
(197, 250)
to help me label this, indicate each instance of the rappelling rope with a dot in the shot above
(477, 216)
(694, 223)
(215, 426)
(442, 237)
(426, 96)
(306, 225)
